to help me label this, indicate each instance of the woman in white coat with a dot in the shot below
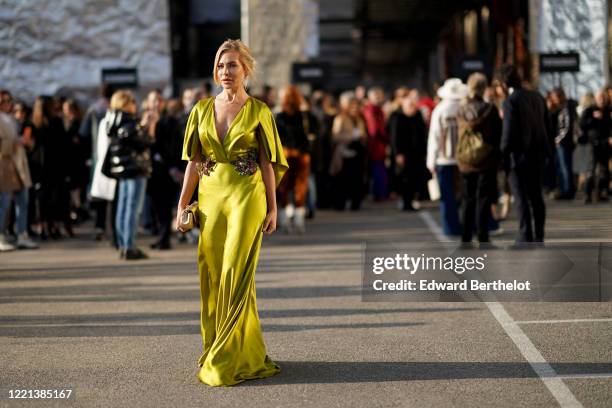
(102, 187)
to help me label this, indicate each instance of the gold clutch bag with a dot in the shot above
(189, 217)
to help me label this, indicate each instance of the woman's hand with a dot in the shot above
(269, 225)
(179, 212)
(190, 182)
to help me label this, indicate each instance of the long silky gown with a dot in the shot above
(232, 208)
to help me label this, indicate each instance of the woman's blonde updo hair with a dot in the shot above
(244, 55)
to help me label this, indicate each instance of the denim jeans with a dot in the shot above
(21, 210)
(565, 173)
(449, 209)
(379, 179)
(130, 200)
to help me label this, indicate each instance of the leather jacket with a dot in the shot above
(128, 154)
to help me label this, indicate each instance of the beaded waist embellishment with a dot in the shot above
(245, 165)
(205, 167)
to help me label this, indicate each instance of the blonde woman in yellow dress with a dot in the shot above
(236, 156)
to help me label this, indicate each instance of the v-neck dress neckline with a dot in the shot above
(214, 116)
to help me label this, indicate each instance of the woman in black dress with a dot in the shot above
(409, 144)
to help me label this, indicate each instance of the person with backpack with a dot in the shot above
(478, 157)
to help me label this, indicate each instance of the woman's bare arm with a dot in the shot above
(190, 182)
(267, 174)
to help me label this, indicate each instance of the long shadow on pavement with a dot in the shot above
(160, 324)
(139, 292)
(325, 372)
(168, 330)
(190, 316)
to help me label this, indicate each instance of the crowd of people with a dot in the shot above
(473, 144)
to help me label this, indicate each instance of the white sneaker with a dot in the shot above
(284, 222)
(298, 221)
(24, 242)
(497, 232)
(4, 244)
(290, 209)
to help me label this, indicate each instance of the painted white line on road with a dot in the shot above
(538, 363)
(433, 226)
(563, 321)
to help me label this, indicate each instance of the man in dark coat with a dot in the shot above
(525, 145)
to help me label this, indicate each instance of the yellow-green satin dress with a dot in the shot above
(232, 207)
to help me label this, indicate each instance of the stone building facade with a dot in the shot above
(61, 46)
(572, 25)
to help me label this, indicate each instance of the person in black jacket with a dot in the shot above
(563, 121)
(409, 146)
(596, 124)
(128, 159)
(55, 174)
(525, 145)
(77, 161)
(165, 153)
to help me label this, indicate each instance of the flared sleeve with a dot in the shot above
(272, 144)
(191, 141)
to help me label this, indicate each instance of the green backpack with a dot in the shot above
(471, 149)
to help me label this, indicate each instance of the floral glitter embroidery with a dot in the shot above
(247, 164)
(205, 167)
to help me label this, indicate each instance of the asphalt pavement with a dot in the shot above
(118, 334)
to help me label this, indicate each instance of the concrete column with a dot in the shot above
(279, 32)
